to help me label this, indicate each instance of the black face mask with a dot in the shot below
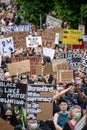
(8, 117)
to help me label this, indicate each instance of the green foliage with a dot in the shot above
(72, 11)
(30, 10)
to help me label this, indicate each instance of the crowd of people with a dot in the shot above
(69, 99)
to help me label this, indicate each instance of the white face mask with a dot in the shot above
(78, 81)
(34, 126)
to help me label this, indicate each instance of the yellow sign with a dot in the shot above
(72, 37)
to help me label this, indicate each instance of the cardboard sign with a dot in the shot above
(19, 38)
(35, 64)
(48, 69)
(39, 100)
(81, 123)
(4, 125)
(65, 75)
(56, 62)
(33, 41)
(19, 67)
(48, 36)
(6, 46)
(15, 93)
(72, 37)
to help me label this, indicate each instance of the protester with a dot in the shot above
(75, 113)
(62, 116)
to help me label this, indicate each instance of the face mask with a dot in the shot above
(8, 117)
(77, 115)
(78, 81)
(71, 93)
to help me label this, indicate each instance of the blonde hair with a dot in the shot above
(72, 108)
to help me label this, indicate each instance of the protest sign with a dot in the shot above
(39, 100)
(57, 38)
(80, 47)
(52, 22)
(82, 27)
(0, 59)
(73, 58)
(48, 52)
(81, 123)
(84, 62)
(72, 37)
(85, 38)
(15, 93)
(56, 62)
(19, 28)
(19, 38)
(6, 46)
(65, 76)
(48, 69)
(48, 36)
(35, 64)
(19, 67)
(33, 41)
(4, 125)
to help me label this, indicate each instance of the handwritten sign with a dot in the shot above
(48, 36)
(48, 52)
(35, 64)
(56, 62)
(72, 37)
(19, 38)
(65, 76)
(39, 100)
(20, 28)
(19, 67)
(6, 45)
(14, 93)
(33, 41)
(52, 22)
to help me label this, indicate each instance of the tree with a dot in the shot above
(30, 10)
(72, 11)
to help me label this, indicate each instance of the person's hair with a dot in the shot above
(72, 108)
(62, 100)
(68, 85)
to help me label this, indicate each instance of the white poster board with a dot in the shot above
(33, 41)
(48, 52)
(6, 46)
(57, 38)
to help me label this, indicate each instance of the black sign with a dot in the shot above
(15, 93)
